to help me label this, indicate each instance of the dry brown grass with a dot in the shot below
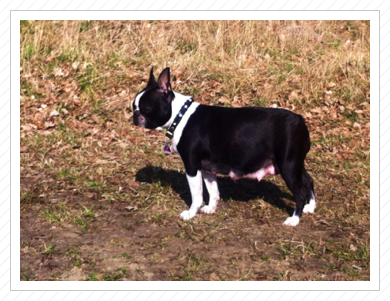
(279, 59)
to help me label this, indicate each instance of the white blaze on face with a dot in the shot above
(136, 101)
(140, 119)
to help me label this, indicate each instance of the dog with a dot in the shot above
(248, 142)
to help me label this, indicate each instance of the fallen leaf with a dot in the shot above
(331, 85)
(85, 65)
(131, 73)
(54, 113)
(122, 144)
(76, 100)
(29, 127)
(129, 208)
(324, 222)
(316, 110)
(49, 124)
(96, 118)
(58, 72)
(133, 183)
(75, 65)
(64, 148)
(49, 86)
(38, 125)
(223, 100)
(261, 276)
(159, 271)
(100, 161)
(293, 95)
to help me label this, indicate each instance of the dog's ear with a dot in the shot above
(164, 81)
(152, 81)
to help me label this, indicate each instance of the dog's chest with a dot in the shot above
(180, 128)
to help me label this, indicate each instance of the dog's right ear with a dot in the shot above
(152, 81)
(164, 81)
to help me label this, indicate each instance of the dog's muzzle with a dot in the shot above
(138, 119)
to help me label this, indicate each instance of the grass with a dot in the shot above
(84, 165)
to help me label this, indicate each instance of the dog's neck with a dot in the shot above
(177, 103)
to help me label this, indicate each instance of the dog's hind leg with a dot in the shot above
(292, 175)
(212, 187)
(291, 166)
(299, 199)
(308, 182)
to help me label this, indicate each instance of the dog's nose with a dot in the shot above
(137, 113)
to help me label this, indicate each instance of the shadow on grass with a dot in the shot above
(242, 190)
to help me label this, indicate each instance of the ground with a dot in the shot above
(134, 233)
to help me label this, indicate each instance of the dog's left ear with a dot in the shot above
(164, 81)
(152, 80)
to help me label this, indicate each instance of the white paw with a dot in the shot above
(309, 208)
(291, 221)
(186, 215)
(208, 209)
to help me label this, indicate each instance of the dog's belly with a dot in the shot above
(268, 168)
(259, 175)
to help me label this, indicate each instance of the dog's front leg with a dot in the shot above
(196, 188)
(212, 187)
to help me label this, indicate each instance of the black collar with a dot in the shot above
(178, 118)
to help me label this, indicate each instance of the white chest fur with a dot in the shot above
(177, 104)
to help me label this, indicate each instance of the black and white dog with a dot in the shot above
(239, 142)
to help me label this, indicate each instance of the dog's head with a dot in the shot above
(152, 106)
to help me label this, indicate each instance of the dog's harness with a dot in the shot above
(178, 118)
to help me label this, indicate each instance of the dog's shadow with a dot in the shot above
(241, 190)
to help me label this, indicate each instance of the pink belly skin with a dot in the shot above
(259, 175)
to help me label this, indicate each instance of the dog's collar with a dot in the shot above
(178, 118)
